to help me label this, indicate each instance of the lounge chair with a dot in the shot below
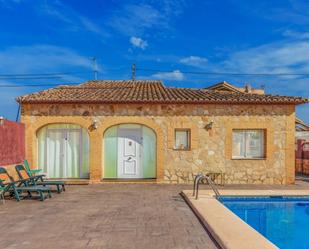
(2, 192)
(38, 179)
(4, 188)
(16, 188)
(31, 172)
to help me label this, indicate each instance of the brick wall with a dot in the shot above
(302, 156)
(12, 143)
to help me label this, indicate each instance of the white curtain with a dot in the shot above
(248, 144)
(255, 144)
(182, 139)
(54, 156)
(73, 160)
(63, 151)
(239, 141)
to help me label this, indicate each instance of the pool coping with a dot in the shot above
(229, 231)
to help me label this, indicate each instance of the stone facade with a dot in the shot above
(210, 149)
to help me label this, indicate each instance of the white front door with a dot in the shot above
(129, 153)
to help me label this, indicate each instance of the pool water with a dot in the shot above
(282, 220)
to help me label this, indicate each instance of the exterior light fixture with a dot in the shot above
(1, 121)
(208, 126)
(95, 124)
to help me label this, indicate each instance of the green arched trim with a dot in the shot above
(148, 151)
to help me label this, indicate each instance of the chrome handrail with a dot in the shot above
(199, 175)
(198, 179)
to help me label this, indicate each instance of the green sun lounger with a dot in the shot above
(17, 188)
(38, 179)
(31, 172)
(2, 192)
(5, 188)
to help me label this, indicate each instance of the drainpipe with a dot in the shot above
(18, 111)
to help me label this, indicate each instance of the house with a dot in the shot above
(302, 147)
(302, 129)
(141, 129)
(227, 87)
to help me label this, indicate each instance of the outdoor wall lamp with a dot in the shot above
(1, 120)
(95, 124)
(208, 126)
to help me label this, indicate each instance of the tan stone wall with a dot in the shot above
(210, 150)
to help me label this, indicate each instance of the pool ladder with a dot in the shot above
(198, 179)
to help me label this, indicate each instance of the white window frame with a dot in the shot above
(262, 143)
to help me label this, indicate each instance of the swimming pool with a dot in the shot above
(282, 220)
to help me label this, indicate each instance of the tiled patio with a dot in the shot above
(109, 216)
(104, 216)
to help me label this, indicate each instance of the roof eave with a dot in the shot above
(163, 102)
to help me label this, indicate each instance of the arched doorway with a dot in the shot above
(129, 152)
(63, 151)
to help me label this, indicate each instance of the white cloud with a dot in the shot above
(90, 26)
(174, 75)
(73, 20)
(138, 42)
(172, 7)
(41, 58)
(195, 61)
(37, 59)
(280, 57)
(289, 56)
(295, 34)
(136, 19)
(289, 12)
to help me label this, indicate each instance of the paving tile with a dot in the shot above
(109, 216)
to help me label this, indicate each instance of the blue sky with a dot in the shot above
(175, 37)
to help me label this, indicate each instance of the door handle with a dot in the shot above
(129, 158)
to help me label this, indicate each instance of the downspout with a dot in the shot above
(18, 112)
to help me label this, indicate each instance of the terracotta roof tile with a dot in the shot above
(148, 91)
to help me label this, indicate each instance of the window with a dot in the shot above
(248, 144)
(182, 139)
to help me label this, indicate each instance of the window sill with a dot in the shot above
(255, 159)
(182, 149)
